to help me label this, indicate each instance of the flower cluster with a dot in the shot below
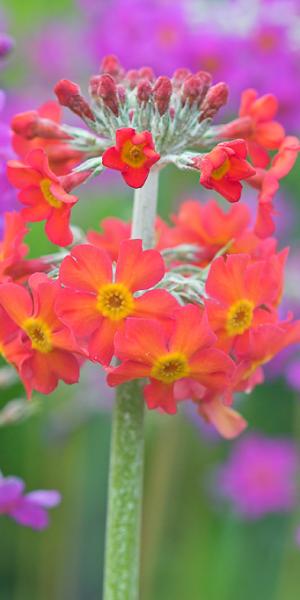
(197, 316)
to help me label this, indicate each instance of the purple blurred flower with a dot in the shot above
(149, 33)
(6, 45)
(29, 510)
(259, 476)
(8, 197)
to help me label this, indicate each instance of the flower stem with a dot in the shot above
(122, 553)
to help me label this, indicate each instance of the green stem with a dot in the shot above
(122, 553)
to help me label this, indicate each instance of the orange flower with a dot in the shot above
(243, 293)
(49, 345)
(184, 352)
(114, 231)
(133, 155)
(224, 167)
(266, 134)
(43, 195)
(13, 250)
(95, 303)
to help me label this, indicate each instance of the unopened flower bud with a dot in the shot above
(111, 66)
(144, 91)
(69, 94)
(30, 125)
(146, 73)
(121, 93)
(107, 90)
(72, 180)
(179, 77)
(239, 128)
(93, 85)
(215, 98)
(194, 89)
(132, 76)
(162, 93)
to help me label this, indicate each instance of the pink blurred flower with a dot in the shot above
(29, 510)
(260, 476)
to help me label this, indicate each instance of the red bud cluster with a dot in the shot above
(162, 93)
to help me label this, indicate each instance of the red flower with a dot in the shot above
(43, 195)
(13, 266)
(41, 129)
(243, 294)
(114, 231)
(167, 357)
(96, 303)
(49, 346)
(133, 155)
(266, 134)
(224, 167)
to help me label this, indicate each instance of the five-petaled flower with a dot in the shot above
(43, 195)
(133, 155)
(184, 351)
(242, 294)
(96, 301)
(224, 167)
(49, 347)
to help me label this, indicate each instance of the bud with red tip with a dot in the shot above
(215, 98)
(132, 77)
(110, 65)
(30, 125)
(69, 94)
(146, 73)
(179, 77)
(144, 91)
(162, 92)
(194, 88)
(107, 91)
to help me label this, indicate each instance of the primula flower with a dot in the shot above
(224, 167)
(134, 155)
(114, 231)
(243, 293)
(13, 266)
(183, 352)
(212, 228)
(41, 129)
(96, 303)
(12, 348)
(49, 344)
(30, 510)
(256, 126)
(43, 195)
(260, 476)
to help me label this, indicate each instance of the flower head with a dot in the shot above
(133, 155)
(30, 510)
(96, 301)
(224, 167)
(184, 351)
(43, 195)
(49, 348)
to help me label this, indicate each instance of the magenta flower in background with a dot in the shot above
(260, 476)
(6, 45)
(30, 510)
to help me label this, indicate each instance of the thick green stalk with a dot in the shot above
(122, 552)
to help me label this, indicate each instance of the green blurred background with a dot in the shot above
(192, 548)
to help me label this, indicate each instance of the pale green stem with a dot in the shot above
(122, 552)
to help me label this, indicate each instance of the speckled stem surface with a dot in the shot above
(122, 552)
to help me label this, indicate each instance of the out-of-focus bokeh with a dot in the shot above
(220, 518)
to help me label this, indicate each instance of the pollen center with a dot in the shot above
(222, 170)
(48, 196)
(115, 301)
(239, 317)
(133, 155)
(39, 334)
(170, 367)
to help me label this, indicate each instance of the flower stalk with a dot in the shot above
(122, 553)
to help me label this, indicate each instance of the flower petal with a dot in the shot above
(86, 269)
(138, 269)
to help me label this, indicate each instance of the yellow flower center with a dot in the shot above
(239, 317)
(115, 301)
(133, 155)
(45, 189)
(39, 334)
(170, 367)
(222, 170)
